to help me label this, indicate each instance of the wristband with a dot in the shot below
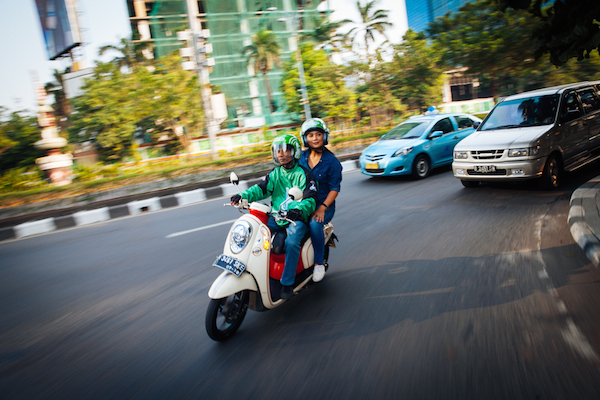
(326, 206)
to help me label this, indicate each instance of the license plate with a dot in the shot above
(230, 264)
(372, 165)
(484, 169)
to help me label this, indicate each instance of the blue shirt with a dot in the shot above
(328, 172)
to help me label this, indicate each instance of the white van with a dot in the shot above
(533, 135)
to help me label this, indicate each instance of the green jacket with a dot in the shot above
(277, 184)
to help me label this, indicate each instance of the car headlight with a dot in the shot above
(461, 155)
(524, 151)
(240, 234)
(402, 152)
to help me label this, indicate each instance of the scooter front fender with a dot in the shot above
(227, 284)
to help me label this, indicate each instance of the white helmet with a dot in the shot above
(315, 124)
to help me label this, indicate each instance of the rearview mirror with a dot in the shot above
(476, 124)
(295, 193)
(233, 178)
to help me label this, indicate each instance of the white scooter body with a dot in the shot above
(256, 256)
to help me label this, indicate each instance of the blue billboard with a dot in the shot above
(59, 26)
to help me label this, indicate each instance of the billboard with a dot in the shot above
(59, 26)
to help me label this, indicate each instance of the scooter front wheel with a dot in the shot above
(224, 316)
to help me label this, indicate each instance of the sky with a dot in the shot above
(23, 51)
(103, 22)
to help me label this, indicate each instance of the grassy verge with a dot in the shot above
(108, 178)
(88, 179)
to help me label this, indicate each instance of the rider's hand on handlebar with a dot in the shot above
(235, 199)
(294, 214)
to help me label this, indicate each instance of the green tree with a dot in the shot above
(371, 21)
(328, 95)
(18, 133)
(490, 43)
(176, 103)
(548, 74)
(5, 142)
(263, 54)
(415, 74)
(117, 105)
(61, 103)
(373, 86)
(108, 112)
(564, 29)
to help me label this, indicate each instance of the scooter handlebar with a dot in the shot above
(242, 205)
(282, 216)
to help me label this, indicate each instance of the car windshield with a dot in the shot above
(531, 111)
(407, 130)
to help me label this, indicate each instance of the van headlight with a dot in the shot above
(461, 155)
(240, 234)
(402, 152)
(524, 151)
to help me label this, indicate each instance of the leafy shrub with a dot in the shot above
(20, 179)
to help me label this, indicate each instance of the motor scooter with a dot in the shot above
(253, 260)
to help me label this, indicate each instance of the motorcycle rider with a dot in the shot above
(328, 172)
(286, 151)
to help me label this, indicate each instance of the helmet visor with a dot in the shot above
(283, 153)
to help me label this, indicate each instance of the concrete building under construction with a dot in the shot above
(232, 24)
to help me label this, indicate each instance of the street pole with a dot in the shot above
(203, 78)
(300, 66)
(295, 18)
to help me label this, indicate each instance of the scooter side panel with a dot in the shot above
(227, 284)
(307, 254)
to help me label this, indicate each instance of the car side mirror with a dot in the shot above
(295, 193)
(476, 124)
(233, 178)
(436, 134)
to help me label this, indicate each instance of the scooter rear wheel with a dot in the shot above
(224, 316)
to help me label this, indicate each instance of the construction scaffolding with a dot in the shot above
(232, 24)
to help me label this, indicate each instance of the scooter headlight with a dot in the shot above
(240, 235)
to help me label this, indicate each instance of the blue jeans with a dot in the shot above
(318, 236)
(295, 233)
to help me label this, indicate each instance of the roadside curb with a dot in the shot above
(131, 208)
(584, 219)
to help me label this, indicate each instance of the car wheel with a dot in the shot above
(421, 167)
(469, 184)
(550, 179)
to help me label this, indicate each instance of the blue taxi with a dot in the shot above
(417, 145)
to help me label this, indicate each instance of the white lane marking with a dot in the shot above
(575, 338)
(172, 235)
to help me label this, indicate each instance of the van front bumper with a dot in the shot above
(503, 170)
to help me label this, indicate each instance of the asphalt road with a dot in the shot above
(434, 292)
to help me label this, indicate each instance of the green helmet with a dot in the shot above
(285, 142)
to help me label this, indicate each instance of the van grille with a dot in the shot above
(487, 154)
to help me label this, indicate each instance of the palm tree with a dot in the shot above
(263, 54)
(371, 22)
(131, 53)
(325, 35)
